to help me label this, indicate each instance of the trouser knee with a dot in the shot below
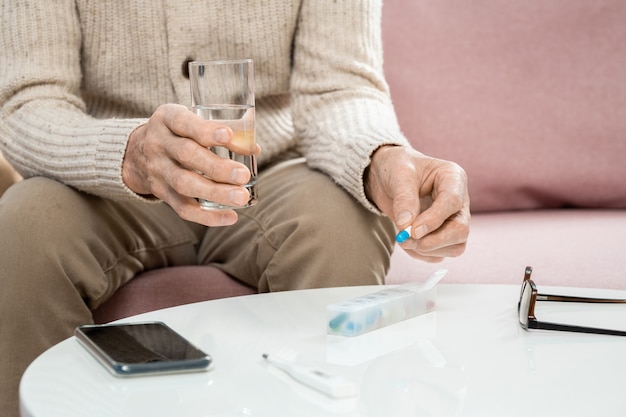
(305, 232)
(36, 226)
(352, 245)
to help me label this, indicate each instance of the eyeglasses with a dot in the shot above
(526, 309)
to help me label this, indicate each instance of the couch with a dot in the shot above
(530, 98)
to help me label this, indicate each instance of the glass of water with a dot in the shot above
(224, 91)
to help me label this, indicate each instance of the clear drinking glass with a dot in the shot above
(224, 91)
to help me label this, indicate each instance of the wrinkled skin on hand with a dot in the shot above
(428, 194)
(169, 158)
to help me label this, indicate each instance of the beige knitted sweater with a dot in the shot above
(77, 76)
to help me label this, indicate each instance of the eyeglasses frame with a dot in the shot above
(533, 323)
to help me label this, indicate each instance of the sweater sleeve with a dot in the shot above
(341, 107)
(44, 127)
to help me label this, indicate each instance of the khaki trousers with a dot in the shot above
(63, 252)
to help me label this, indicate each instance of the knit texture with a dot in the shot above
(76, 77)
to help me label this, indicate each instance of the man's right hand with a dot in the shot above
(167, 157)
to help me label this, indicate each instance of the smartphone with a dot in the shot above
(145, 348)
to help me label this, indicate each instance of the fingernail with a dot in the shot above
(239, 197)
(221, 135)
(420, 231)
(404, 217)
(239, 175)
(228, 219)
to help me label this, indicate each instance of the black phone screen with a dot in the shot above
(141, 343)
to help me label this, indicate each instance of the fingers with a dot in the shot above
(188, 209)
(189, 147)
(182, 188)
(195, 157)
(195, 185)
(194, 136)
(441, 228)
(448, 240)
(168, 158)
(184, 123)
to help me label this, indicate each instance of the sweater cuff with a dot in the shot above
(109, 157)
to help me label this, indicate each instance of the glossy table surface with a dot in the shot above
(467, 358)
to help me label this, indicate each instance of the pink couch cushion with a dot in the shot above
(529, 97)
(569, 248)
(168, 287)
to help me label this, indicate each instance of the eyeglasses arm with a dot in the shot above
(572, 299)
(542, 325)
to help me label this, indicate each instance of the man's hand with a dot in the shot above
(168, 156)
(428, 194)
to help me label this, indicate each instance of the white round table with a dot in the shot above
(467, 358)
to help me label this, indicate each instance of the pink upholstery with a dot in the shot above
(572, 248)
(529, 97)
(168, 287)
